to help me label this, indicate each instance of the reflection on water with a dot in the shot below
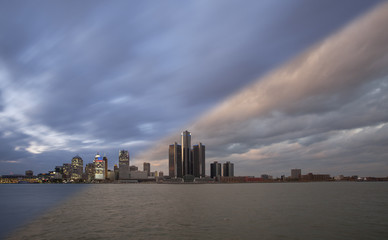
(218, 211)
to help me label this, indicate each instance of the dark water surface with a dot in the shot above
(216, 211)
(20, 203)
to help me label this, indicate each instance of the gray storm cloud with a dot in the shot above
(300, 114)
(123, 75)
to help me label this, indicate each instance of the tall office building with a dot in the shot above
(198, 158)
(215, 169)
(202, 160)
(66, 171)
(89, 171)
(106, 166)
(123, 165)
(147, 168)
(186, 153)
(77, 168)
(175, 161)
(296, 173)
(228, 169)
(99, 167)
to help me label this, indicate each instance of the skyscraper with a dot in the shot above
(228, 169)
(202, 160)
(147, 168)
(106, 166)
(90, 171)
(175, 161)
(99, 168)
(123, 165)
(186, 153)
(77, 168)
(215, 169)
(67, 171)
(198, 159)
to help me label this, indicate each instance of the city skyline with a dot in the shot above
(98, 170)
(303, 88)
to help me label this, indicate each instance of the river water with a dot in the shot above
(338, 210)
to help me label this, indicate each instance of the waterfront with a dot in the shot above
(326, 210)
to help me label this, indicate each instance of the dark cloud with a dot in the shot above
(76, 77)
(325, 104)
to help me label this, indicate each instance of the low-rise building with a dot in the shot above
(139, 175)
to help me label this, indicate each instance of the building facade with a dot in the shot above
(215, 169)
(116, 171)
(139, 175)
(123, 165)
(228, 169)
(133, 168)
(77, 168)
(99, 168)
(186, 153)
(147, 168)
(175, 161)
(198, 158)
(316, 177)
(296, 173)
(66, 171)
(89, 172)
(111, 175)
(106, 166)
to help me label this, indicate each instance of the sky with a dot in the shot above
(267, 85)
